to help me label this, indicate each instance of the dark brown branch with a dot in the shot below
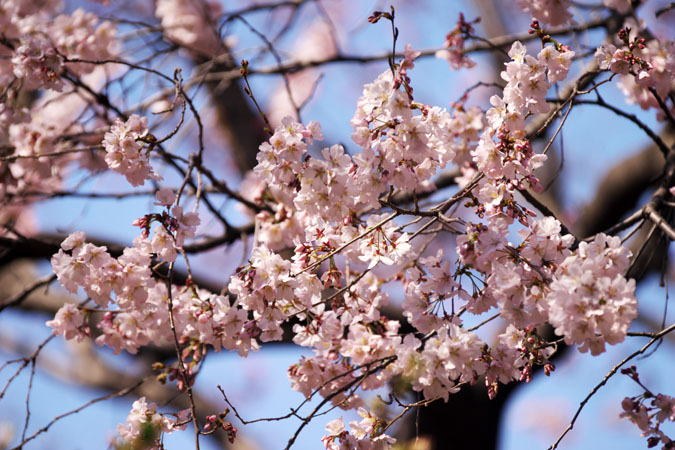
(21, 296)
(633, 118)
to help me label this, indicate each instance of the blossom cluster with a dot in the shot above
(31, 140)
(326, 202)
(347, 250)
(38, 64)
(552, 12)
(450, 357)
(39, 46)
(523, 280)
(366, 434)
(403, 149)
(649, 418)
(453, 47)
(509, 163)
(144, 425)
(69, 322)
(81, 36)
(142, 315)
(80, 263)
(647, 69)
(591, 303)
(38, 59)
(125, 150)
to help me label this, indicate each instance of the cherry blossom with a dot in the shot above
(591, 302)
(336, 228)
(37, 62)
(125, 151)
(552, 12)
(365, 434)
(144, 425)
(648, 412)
(68, 322)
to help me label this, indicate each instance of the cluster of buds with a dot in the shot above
(173, 373)
(492, 385)
(629, 55)
(331, 278)
(251, 329)
(213, 422)
(303, 252)
(453, 47)
(191, 356)
(377, 15)
(473, 202)
(401, 77)
(464, 30)
(246, 274)
(632, 373)
(535, 28)
(624, 35)
(145, 222)
(165, 219)
(536, 350)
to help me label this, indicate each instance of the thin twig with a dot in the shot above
(181, 364)
(611, 373)
(120, 393)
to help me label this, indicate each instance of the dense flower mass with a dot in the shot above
(591, 302)
(81, 36)
(319, 204)
(582, 293)
(38, 64)
(38, 60)
(355, 251)
(125, 150)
